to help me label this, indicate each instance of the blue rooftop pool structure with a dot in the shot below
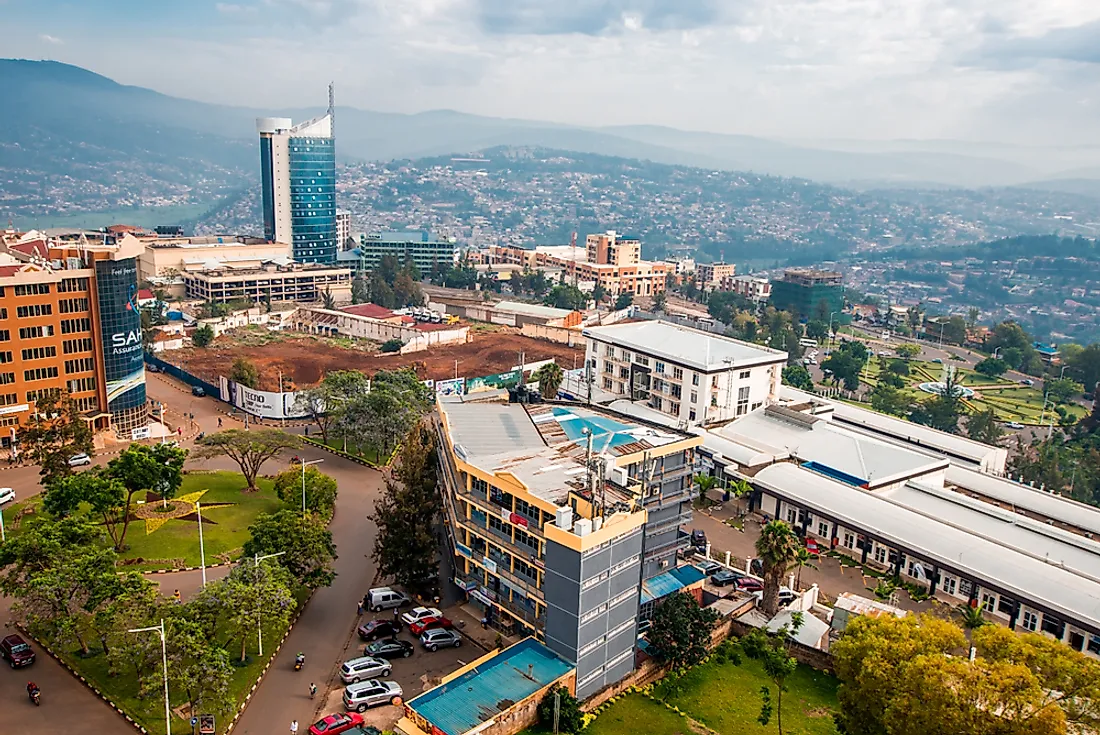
(491, 687)
(607, 433)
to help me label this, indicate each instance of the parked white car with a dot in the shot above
(419, 613)
(78, 460)
(7, 495)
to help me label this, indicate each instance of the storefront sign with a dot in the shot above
(489, 564)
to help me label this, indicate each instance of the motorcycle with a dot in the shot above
(36, 697)
(299, 662)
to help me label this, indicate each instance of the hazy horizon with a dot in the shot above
(860, 70)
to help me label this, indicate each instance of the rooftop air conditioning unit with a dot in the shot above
(583, 527)
(563, 518)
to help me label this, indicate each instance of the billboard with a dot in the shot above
(490, 382)
(120, 341)
(262, 403)
(450, 387)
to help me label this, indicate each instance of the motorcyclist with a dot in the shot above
(300, 658)
(32, 687)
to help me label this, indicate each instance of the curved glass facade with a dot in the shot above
(120, 343)
(267, 183)
(313, 199)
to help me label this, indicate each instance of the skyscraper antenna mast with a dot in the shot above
(332, 107)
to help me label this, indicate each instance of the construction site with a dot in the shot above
(303, 360)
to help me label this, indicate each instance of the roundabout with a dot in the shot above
(939, 389)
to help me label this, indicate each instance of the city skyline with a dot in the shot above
(967, 69)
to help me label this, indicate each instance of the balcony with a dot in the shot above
(667, 547)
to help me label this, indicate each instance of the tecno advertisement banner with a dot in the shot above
(262, 403)
(116, 285)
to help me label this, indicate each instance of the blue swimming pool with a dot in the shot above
(606, 433)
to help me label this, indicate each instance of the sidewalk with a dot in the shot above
(467, 621)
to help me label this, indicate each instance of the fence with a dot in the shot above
(178, 372)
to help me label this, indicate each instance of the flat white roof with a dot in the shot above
(864, 459)
(519, 307)
(1050, 505)
(692, 348)
(908, 432)
(1075, 598)
(1032, 537)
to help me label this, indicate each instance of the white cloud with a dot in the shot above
(54, 40)
(778, 68)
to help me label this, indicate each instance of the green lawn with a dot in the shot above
(368, 453)
(726, 698)
(634, 713)
(149, 711)
(227, 512)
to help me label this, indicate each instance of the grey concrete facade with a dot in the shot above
(592, 608)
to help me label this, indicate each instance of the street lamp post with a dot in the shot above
(164, 660)
(202, 548)
(831, 340)
(304, 465)
(259, 626)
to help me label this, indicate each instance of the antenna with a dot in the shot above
(332, 108)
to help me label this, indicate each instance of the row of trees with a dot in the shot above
(366, 412)
(392, 284)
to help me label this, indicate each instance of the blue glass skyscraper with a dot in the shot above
(298, 184)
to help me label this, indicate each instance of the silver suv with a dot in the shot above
(369, 693)
(437, 638)
(364, 667)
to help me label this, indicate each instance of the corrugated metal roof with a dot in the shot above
(480, 694)
(671, 581)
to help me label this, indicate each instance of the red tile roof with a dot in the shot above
(373, 311)
(125, 228)
(145, 294)
(33, 247)
(9, 270)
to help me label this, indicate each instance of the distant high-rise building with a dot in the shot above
(298, 178)
(809, 293)
(343, 229)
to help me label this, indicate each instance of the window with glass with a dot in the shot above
(1029, 621)
(677, 373)
(742, 400)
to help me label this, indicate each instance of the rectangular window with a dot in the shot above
(7, 378)
(9, 399)
(40, 374)
(624, 373)
(691, 415)
(607, 384)
(742, 400)
(658, 367)
(792, 516)
(33, 310)
(1053, 626)
(620, 628)
(949, 585)
(79, 365)
(695, 378)
(81, 385)
(593, 581)
(989, 602)
(1006, 605)
(642, 360)
(677, 373)
(849, 541)
(823, 529)
(32, 289)
(6, 356)
(72, 326)
(1093, 644)
(593, 614)
(77, 345)
(965, 586)
(34, 395)
(3, 312)
(625, 564)
(744, 374)
(1030, 621)
(694, 397)
(39, 353)
(880, 554)
(624, 596)
(73, 306)
(35, 332)
(590, 647)
(68, 285)
(5, 335)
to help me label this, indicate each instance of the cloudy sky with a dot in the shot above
(1022, 71)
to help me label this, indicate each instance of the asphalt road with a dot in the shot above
(324, 632)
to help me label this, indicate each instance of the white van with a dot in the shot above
(384, 598)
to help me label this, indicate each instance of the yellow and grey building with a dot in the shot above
(556, 515)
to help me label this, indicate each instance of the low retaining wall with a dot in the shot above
(347, 455)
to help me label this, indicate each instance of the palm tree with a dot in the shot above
(971, 618)
(777, 548)
(705, 483)
(328, 300)
(549, 377)
(803, 559)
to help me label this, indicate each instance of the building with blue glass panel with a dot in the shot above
(298, 186)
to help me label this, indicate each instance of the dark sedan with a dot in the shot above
(748, 584)
(372, 630)
(724, 577)
(389, 648)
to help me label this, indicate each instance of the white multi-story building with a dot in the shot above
(693, 376)
(753, 288)
(343, 230)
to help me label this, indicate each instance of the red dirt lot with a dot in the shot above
(306, 360)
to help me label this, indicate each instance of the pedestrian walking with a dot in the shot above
(312, 690)
(176, 596)
(219, 422)
(396, 613)
(359, 605)
(293, 727)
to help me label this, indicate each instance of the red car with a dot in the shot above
(332, 724)
(748, 584)
(812, 547)
(429, 623)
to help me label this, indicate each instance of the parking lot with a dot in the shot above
(415, 674)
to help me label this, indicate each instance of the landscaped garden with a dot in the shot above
(1010, 401)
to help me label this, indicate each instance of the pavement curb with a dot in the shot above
(263, 673)
(350, 457)
(183, 569)
(82, 680)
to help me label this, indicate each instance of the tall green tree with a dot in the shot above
(797, 376)
(1063, 390)
(407, 514)
(360, 294)
(680, 630)
(888, 399)
(245, 372)
(53, 433)
(549, 377)
(156, 468)
(305, 539)
(777, 547)
(250, 596)
(325, 401)
(773, 653)
(202, 336)
(249, 449)
(198, 668)
(320, 490)
(570, 715)
(705, 483)
(105, 494)
(983, 427)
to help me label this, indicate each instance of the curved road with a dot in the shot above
(324, 631)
